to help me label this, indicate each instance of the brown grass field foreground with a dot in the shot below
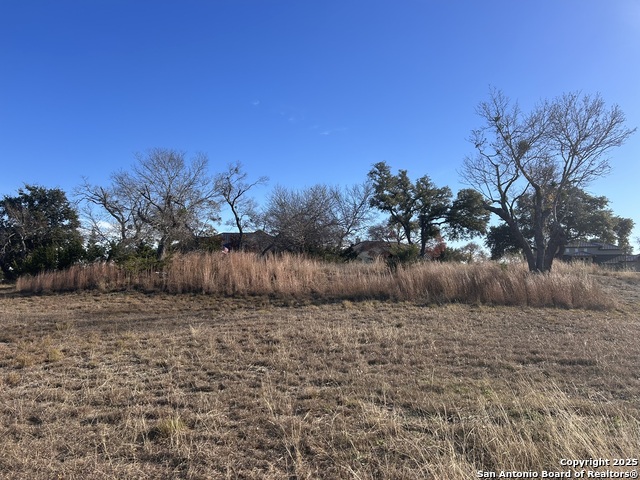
(302, 278)
(134, 385)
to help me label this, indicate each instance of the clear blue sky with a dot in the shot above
(304, 91)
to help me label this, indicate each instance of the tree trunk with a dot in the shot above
(557, 241)
(407, 232)
(238, 221)
(529, 253)
(538, 230)
(517, 234)
(161, 252)
(423, 237)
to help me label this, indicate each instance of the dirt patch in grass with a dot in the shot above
(624, 286)
(127, 385)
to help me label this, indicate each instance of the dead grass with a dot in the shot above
(301, 278)
(133, 385)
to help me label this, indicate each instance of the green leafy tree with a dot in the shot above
(581, 215)
(39, 230)
(623, 228)
(500, 242)
(467, 216)
(424, 209)
(394, 195)
(432, 209)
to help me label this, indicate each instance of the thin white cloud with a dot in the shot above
(332, 131)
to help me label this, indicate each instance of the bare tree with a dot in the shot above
(317, 218)
(353, 211)
(114, 222)
(232, 186)
(303, 220)
(164, 199)
(559, 145)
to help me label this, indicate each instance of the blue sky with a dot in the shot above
(303, 91)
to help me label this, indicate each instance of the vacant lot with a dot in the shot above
(128, 385)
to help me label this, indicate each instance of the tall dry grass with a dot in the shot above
(244, 274)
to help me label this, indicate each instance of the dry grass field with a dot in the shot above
(133, 385)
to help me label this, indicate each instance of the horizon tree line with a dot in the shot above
(530, 170)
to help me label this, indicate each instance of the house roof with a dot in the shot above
(366, 245)
(598, 245)
(608, 246)
(257, 233)
(622, 259)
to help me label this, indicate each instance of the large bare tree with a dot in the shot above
(561, 144)
(302, 220)
(163, 200)
(317, 218)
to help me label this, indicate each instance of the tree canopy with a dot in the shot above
(163, 201)
(232, 186)
(534, 160)
(582, 216)
(531, 169)
(318, 218)
(39, 230)
(424, 210)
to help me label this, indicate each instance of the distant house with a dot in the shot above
(258, 241)
(369, 251)
(600, 253)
